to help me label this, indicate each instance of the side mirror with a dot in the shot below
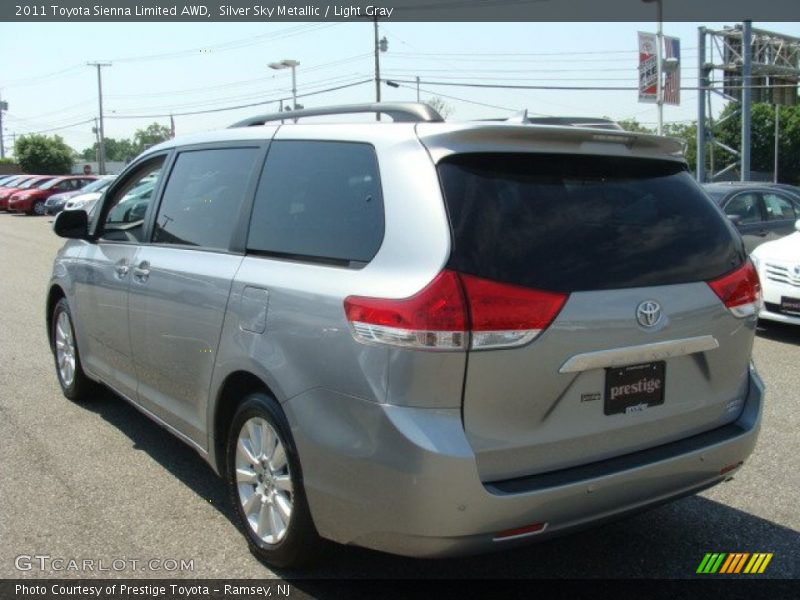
(735, 219)
(72, 224)
(797, 225)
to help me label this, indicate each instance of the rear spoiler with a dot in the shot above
(442, 140)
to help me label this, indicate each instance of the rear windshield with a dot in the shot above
(573, 223)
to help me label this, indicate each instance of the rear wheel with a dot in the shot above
(265, 485)
(75, 385)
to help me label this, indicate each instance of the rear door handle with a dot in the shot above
(142, 271)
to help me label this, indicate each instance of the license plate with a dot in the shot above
(634, 388)
(790, 305)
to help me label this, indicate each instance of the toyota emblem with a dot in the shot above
(648, 313)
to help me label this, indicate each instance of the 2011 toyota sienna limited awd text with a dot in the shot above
(420, 337)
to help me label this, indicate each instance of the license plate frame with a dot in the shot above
(634, 388)
(794, 306)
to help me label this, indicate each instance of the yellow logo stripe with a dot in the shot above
(764, 564)
(753, 564)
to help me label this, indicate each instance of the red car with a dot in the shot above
(31, 200)
(14, 185)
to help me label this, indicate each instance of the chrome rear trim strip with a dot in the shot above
(631, 355)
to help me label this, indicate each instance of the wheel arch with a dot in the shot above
(55, 294)
(235, 387)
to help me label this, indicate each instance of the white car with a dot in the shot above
(87, 201)
(778, 264)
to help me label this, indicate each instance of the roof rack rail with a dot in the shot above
(403, 112)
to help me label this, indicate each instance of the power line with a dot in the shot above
(518, 54)
(230, 45)
(432, 93)
(31, 80)
(620, 88)
(211, 103)
(250, 105)
(58, 128)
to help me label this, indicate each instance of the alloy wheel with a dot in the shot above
(65, 349)
(263, 480)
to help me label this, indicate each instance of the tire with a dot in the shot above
(38, 208)
(262, 486)
(74, 383)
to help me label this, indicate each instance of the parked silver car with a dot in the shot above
(421, 337)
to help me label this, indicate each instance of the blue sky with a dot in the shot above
(167, 68)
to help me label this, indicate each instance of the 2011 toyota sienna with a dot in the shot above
(420, 337)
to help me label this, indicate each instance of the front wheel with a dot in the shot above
(265, 485)
(38, 207)
(75, 385)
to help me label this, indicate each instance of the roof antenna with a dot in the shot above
(520, 117)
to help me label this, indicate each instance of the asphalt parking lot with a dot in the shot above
(102, 482)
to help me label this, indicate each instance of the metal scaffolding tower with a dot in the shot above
(744, 65)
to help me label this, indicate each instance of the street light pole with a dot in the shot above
(292, 64)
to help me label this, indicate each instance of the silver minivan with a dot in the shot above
(420, 337)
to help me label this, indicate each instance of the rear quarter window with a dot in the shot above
(319, 201)
(573, 223)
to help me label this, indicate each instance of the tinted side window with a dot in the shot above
(779, 207)
(203, 197)
(744, 206)
(319, 200)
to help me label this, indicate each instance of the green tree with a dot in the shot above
(688, 133)
(44, 155)
(762, 133)
(150, 136)
(634, 126)
(683, 131)
(119, 150)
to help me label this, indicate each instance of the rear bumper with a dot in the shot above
(404, 480)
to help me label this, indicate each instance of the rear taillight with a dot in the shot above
(434, 318)
(740, 290)
(455, 311)
(504, 315)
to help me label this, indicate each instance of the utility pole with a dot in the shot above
(747, 72)
(96, 132)
(417, 88)
(3, 108)
(777, 137)
(377, 68)
(101, 154)
(702, 83)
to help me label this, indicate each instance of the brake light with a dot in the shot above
(740, 290)
(434, 318)
(455, 311)
(503, 315)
